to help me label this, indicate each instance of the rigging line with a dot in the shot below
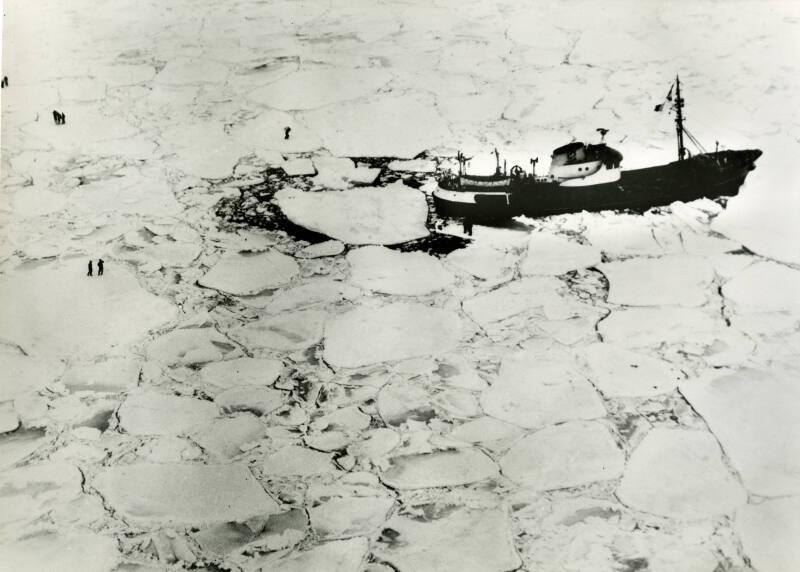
(694, 140)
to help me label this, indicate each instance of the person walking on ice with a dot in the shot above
(99, 266)
(90, 269)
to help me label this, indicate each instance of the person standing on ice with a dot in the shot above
(56, 116)
(99, 266)
(90, 269)
(286, 131)
(468, 226)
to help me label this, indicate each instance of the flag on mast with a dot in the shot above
(660, 106)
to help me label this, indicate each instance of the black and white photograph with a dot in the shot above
(400, 286)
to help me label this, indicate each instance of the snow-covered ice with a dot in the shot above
(566, 455)
(346, 517)
(299, 167)
(752, 413)
(288, 331)
(359, 216)
(552, 254)
(58, 313)
(533, 392)
(77, 552)
(191, 347)
(321, 249)
(451, 539)
(663, 281)
(150, 413)
(184, 494)
(439, 469)
(250, 274)
(619, 372)
(769, 532)
(410, 274)
(241, 371)
(296, 461)
(680, 473)
(390, 333)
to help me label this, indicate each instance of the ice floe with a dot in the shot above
(494, 265)
(351, 129)
(321, 249)
(191, 71)
(149, 413)
(19, 445)
(651, 327)
(389, 215)
(287, 332)
(591, 534)
(349, 516)
(191, 346)
(566, 455)
(387, 271)
(680, 473)
(130, 192)
(32, 202)
(769, 532)
(532, 391)
(108, 375)
(341, 173)
(668, 280)
(67, 314)
(619, 372)
(487, 432)
(390, 333)
(9, 420)
(183, 494)
(225, 437)
(312, 88)
(299, 167)
(550, 254)
(73, 551)
(258, 400)
(35, 490)
(24, 373)
(241, 371)
(250, 274)
(524, 296)
(334, 556)
(270, 532)
(399, 402)
(440, 469)
(294, 461)
(764, 287)
(415, 542)
(752, 414)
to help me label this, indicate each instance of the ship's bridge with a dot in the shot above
(580, 160)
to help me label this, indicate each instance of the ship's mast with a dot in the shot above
(679, 118)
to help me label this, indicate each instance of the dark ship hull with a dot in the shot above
(710, 175)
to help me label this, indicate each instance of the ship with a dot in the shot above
(589, 177)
